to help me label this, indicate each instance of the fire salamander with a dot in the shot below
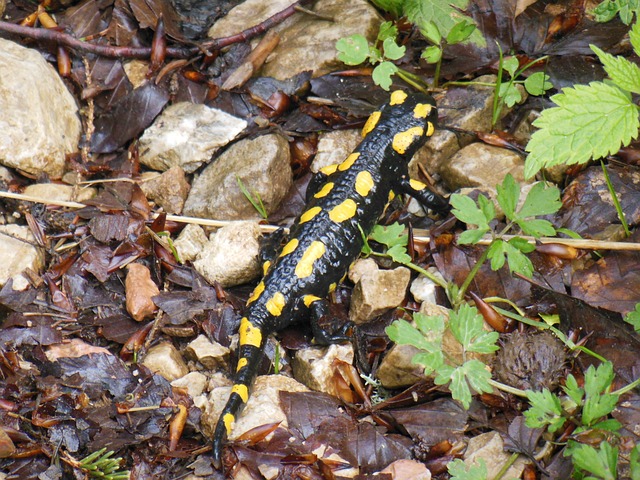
(326, 238)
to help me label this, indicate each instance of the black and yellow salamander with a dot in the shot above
(326, 237)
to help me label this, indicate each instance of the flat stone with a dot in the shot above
(261, 164)
(18, 253)
(169, 190)
(314, 366)
(490, 447)
(60, 192)
(231, 256)
(193, 382)
(210, 354)
(166, 361)
(377, 292)
(334, 147)
(187, 135)
(248, 14)
(35, 135)
(190, 242)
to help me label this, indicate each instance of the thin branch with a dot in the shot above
(65, 39)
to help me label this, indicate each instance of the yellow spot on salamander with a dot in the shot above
(403, 140)
(241, 390)
(289, 247)
(313, 253)
(417, 185)
(228, 421)
(324, 191)
(343, 211)
(398, 97)
(392, 195)
(275, 304)
(309, 214)
(256, 293)
(422, 110)
(332, 287)
(348, 162)
(309, 299)
(329, 169)
(249, 334)
(372, 121)
(265, 267)
(430, 129)
(241, 364)
(364, 183)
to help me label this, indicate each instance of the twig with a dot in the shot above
(420, 236)
(61, 38)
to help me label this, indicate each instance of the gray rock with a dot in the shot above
(377, 292)
(210, 354)
(262, 164)
(314, 366)
(59, 192)
(490, 447)
(187, 135)
(334, 147)
(231, 256)
(169, 189)
(39, 124)
(246, 15)
(262, 408)
(423, 289)
(310, 42)
(166, 361)
(17, 253)
(481, 165)
(190, 242)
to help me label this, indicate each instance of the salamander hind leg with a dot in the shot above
(319, 308)
(424, 195)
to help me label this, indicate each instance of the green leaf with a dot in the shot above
(605, 11)
(472, 236)
(403, 333)
(387, 30)
(537, 228)
(445, 14)
(432, 54)
(573, 390)
(633, 318)
(496, 252)
(508, 196)
(518, 261)
(602, 462)
(545, 410)
(466, 325)
(459, 470)
(522, 244)
(392, 50)
(477, 375)
(509, 93)
(634, 36)
(466, 210)
(624, 73)
(487, 207)
(399, 254)
(541, 200)
(353, 50)
(431, 32)
(634, 462)
(390, 236)
(392, 6)
(597, 380)
(511, 65)
(597, 407)
(460, 32)
(538, 83)
(590, 121)
(431, 326)
(382, 74)
(459, 387)
(430, 361)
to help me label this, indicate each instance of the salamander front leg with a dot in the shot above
(318, 308)
(424, 195)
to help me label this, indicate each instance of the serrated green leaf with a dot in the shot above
(509, 93)
(466, 210)
(477, 375)
(353, 50)
(465, 324)
(537, 228)
(431, 326)
(459, 470)
(634, 36)
(381, 75)
(398, 254)
(597, 407)
(538, 83)
(487, 207)
(602, 462)
(392, 6)
(633, 318)
(387, 30)
(518, 261)
(634, 462)
(624, 73)
(597, 380)
(460, 32)
(430, 361)
(443, 13)
(605, 11)
(545, 410)
(609, 425)
(403, 333)
(459, 387)
(590, 121)
(511, 65)
(508, 195)
(375, 55)
(573, 390)
(522, 244)
(431, 32)
(390, 235)
(472, 236)
(496, 253)
(392, 50)
(432, 54)
(541, 200)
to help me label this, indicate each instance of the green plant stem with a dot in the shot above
(412, 80)
(472, 274)
(627, 388)
(504, 300)
(436, 74)
(507, 388)
(614, 197)
(496, 90)
(503, 471)
(470, 83)
(418, 269)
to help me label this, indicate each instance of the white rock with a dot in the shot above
(17, 253)
(314, 366)
(377, 292)
(186, 135)
(193, 382)
(59, 192)
(210, 354)
(490, 447)
(334, 147)
(39, 124)
(165, 360)
(406, 469)
(190, 242)
(231, 255)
